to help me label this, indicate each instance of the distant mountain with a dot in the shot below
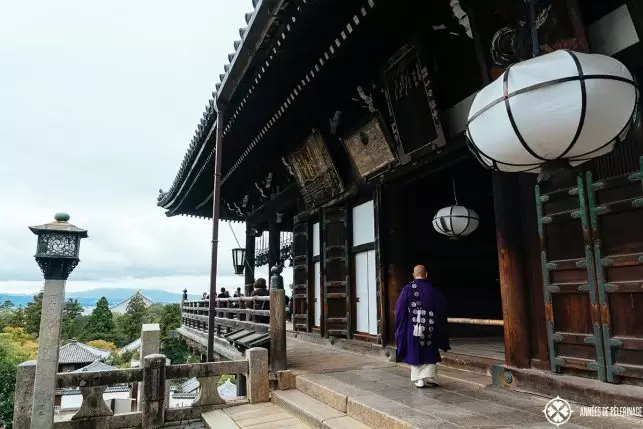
(88, 298)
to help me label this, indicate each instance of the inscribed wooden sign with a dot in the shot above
(411, 104)
(369, 149)
(315, 172)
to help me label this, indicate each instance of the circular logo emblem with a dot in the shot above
(558, 411)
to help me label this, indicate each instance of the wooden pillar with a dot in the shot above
(249, 273)
(274, 241)
(397, 271)
(511, 264)
(278, 330)
(216, 201)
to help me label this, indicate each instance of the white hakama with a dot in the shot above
(427, 372)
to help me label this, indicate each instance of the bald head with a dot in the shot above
(419, 272)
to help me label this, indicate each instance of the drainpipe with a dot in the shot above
(216, 198)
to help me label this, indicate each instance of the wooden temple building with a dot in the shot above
(343, 122)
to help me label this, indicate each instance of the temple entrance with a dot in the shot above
(464, 269)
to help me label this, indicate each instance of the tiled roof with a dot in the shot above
(75, 352)
(134, 345)
(96, 366)
(76, 391)
(190, 386)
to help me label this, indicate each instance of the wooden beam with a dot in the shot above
(249, 274)
(283, 199)
(511, 265)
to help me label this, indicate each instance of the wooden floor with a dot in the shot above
(486, 347)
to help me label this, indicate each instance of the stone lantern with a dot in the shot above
(57, 256)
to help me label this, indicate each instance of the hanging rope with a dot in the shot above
(455, 197)
(534, 28)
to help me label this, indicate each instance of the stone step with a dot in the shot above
(365, 407)
(313, 412)
(218, 419)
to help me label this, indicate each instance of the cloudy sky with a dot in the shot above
(98, 102)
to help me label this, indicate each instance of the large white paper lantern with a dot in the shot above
(456, 221)
(563, 106)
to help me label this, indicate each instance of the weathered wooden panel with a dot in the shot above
(337, 296)
(571, 309)
(414, 115)
(369, 148)
(301, 320)
(616, 214)
(315, 172)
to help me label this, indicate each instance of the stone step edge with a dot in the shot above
(329, 418)
(349, 403)
(218, 419)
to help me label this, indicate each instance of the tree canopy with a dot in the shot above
(134, 317)
(100, 325)
(32, 315)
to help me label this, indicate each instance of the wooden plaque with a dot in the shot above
(412, 107)
(369, 149)
(315, 172)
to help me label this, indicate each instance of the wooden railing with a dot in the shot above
(242, 313)
(234, 313)
(154, 375)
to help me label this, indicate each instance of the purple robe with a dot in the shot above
(420, 302)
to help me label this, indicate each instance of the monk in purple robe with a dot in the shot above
(421, 328)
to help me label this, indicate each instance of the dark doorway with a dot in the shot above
(464, 269)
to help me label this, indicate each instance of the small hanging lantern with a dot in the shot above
(238, 260)
(553, 111)
(456, 221)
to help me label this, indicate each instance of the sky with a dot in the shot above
(98, 103)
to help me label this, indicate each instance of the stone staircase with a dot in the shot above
(324, 401)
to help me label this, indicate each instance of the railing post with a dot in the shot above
(154, 391)
(150, 344)
(277, 330)
(258, 382)
(23, 402)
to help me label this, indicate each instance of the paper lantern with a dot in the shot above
(557, 108)
(456, 221)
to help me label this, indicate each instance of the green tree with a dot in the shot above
(6, 305)
(154, 313)
(134, 317)
(71, 312)
(100, 325)
(32, 315)
(176, 350)
(15, 347)
(170, 319)
(17, 317)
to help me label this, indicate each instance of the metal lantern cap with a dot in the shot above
(61, 225)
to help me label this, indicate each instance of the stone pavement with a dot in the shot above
(255, 416)
(464, 400)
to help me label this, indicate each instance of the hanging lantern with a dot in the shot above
(456, 221)
(553, 111)
(238, 260)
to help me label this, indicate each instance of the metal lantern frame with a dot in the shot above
(58, 247)
(239, 260)
(581, 77)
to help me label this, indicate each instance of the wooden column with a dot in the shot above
(249, 273)
(274, 241)
(278, 330)
(511, 264)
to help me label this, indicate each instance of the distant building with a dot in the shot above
(75, 355)
(121, 307)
